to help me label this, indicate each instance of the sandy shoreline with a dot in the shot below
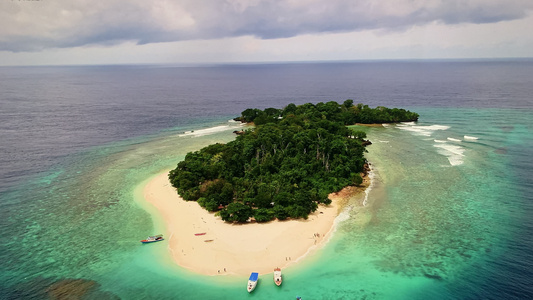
(232, 248)
(370, 125)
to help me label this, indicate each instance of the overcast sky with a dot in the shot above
(208, 31)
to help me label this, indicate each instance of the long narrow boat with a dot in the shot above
(277, 276)
(201, 233)
(252, 282)
(152, 239)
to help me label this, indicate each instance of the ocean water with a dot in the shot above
(448, 215)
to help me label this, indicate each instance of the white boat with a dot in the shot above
(152, 239)
(277, 276)
(252, 282)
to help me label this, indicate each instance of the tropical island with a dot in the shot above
(285, 165)
(289, 168)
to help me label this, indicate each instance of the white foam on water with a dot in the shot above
(206, 131)
(439, 141)
(471, 138)
(454, 153)
(423, 130)
(439, 127)
(343, 216)
(233, 122)
(371, 176)
(408, 123)
(417, 130)
(386, 125)
(453, 140)
(383, 141)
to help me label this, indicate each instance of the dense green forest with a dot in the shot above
(285, 165)
(346, 113)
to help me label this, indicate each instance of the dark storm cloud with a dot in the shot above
(32, 26)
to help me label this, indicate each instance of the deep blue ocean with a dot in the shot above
(450, 215)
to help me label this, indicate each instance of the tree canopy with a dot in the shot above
(283, 167)
(346, 113)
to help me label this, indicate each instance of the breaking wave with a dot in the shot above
(454, 153)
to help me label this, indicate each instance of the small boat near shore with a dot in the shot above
(252, 281)
(152, 239)
(277, 276)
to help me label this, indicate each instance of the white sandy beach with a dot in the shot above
(233, 248)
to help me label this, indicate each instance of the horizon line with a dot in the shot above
(212, 64)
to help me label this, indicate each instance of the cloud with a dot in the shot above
(38, 25)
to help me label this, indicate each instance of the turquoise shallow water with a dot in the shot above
(446, 218)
